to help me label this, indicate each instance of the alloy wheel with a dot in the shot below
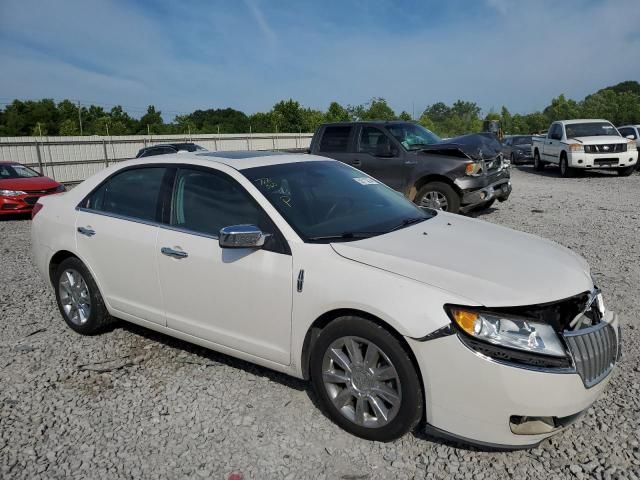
(361, 381)
(434, 200)
(74, 297)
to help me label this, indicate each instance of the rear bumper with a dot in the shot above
(478, 400)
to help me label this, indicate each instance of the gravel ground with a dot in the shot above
(134, 404)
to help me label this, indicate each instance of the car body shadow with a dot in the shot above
(205, 356)
(15, 217)
(554, 171)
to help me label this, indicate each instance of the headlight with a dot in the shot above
(631, 145)
(11, 193)
(576, 147)
(508, 331)
(474, 168)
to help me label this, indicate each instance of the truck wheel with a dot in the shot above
(565, 170)
(438, 196)
(626, 171)
(365, 380)
(537, 163)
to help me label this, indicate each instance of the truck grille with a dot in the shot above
(608, 148)
(594, 350)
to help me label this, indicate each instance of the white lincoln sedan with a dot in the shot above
(399, 316)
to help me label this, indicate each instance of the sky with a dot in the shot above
(182, 55)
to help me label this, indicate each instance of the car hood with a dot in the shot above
(488, 264)
(599, 139)
(28, 184)
(475, 146)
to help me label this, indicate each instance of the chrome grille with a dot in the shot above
(594, 351)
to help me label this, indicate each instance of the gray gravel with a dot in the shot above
(134, 404)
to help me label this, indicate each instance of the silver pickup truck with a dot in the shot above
(584, 144)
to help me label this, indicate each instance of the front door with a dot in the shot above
(237, 298)
(377, 155)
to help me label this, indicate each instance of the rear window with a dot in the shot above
(335, 139)
(133, 193)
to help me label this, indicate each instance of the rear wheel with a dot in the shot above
(565, 170)
(537, 163)
(79, 299)
(366, 380)
(438, 196)
(626, 171)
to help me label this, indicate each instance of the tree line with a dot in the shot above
(619, 103)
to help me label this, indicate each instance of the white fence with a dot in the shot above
(73, 159)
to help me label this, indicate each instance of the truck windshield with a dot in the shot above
(328, 201)
(412, 136)
(591, 129)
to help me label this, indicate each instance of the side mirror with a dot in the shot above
(631, 137)
(242, 236)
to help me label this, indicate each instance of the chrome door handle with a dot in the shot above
(410, 162)
(356, 163)
(88, 232)
(170, 252)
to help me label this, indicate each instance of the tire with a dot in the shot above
(79, 299)
(512, 158)
(537, 163)
(565, 170)
(401, 397)
(626, 171)
(432, 195)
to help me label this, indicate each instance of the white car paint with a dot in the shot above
(552, 149)
(245, 303)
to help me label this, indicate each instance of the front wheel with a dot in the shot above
(438, 196)
(365, 380)
(565, 170)
(626, 171)
(79, 299)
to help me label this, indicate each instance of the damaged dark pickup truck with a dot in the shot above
(458, 175)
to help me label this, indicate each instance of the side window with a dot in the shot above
(556, 132)
(133, 193)
(507, 142)
(205, 202)
(373, 141)
(335, 139)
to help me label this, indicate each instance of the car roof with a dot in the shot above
(630, 125)
(239, 160)
(369, 122)
(583, 120)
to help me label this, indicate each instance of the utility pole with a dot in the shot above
(80, 117)
(148, 130)
(413, 110)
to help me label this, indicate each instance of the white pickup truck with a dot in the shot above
(584, 144)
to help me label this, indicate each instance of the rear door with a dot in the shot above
(116, 231)
(335, 142)
(552, 145)
(378, 154)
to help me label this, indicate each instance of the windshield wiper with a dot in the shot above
(345, 236)
(408, 221)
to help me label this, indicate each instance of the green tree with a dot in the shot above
(405, 116)
(151, 120)
(336, 113)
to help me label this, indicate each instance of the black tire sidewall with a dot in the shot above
(450, 194)
(98, 317)
(412, 404)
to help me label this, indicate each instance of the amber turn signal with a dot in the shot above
(465, 319)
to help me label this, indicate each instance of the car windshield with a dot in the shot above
(591, 129)
(412, 136)
(328, 201)
(16, 171)
(526, 140)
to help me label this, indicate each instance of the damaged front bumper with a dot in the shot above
(499, 190)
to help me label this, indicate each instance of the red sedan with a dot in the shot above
(21, 187)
